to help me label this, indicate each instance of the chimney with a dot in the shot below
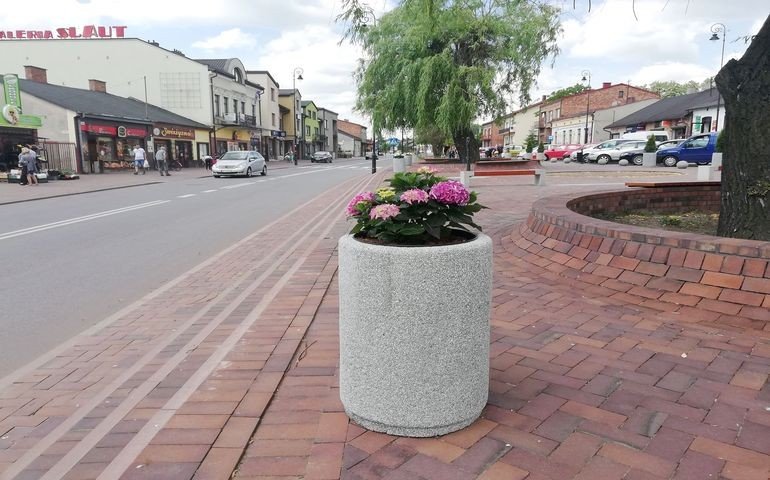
(97, 85)
(606, 84)
(35, 74)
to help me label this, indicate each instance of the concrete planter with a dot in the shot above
(408, 159)
(399, 165)
(649, 159)
(414, 335)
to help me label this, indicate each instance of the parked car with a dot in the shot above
(612, 154)
(598, 148)
(635, 155)
(560, 151)
(696, 149)
(321, 156)
(239, 163)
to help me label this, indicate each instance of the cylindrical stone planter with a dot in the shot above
(399, 165)
(649, 159)
(414, 335)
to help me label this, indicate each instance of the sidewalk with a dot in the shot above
(13, 193)
(230, 371)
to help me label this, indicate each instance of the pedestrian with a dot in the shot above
(207, 161)
(140, 159)
(28, 159)
(162, 158)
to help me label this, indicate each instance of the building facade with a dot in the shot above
(312, 127)
(327, 121)
(492, 134)
(352, 138)
(571, 130)
(293, 121)
(269, 114)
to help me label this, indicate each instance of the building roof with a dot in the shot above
(264, 72)
(305, 103)
(219, 65)
(668, 109)
(103, 104)
(327, 110)
(350, 128)
(283, 92)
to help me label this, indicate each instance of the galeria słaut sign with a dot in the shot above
(87, 31)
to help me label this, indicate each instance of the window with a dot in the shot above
(243, 108)
(272, 94)
(273, 118)
(235, 106)
(238, 75)
(254, 111)
(620, 93)
(227, 105)
(307, 131)
(216, 105)
(315, 130)
(558, 112)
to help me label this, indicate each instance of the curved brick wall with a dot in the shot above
(703, 278)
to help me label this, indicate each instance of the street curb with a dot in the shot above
(80, 193)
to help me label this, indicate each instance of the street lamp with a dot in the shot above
(715, 29)
(586, 76)
(295, 75)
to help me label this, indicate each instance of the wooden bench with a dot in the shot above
(538, 173)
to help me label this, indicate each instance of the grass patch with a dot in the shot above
(689, 222)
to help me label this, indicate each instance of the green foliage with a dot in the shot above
(671, 221)
(417, 223)
(566, 92)
(530, 142)
(651, 146)
(430, 63)
(540, 147)
(673, 89)
(719, 148)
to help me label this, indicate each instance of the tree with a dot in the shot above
(445, 63)
(531, 142)
(566, 92)
(673, 89)
(745, 197)
(433, 136)
(651, 146)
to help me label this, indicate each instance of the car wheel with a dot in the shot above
(604, 157)
(704, 162)
(546, 157)
(637, 159)
(264, 171)
(670, 161)
(248, 172)
(216, 176)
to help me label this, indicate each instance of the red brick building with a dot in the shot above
(490, 134)
(587, 102)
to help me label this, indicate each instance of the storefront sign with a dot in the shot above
(174, 132)
(11, 108)
(278, 133)
(113, 131)
(87, 31)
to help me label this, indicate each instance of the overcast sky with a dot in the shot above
(669, 41)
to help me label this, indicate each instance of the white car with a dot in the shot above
(597, 149)
(613, 154)
(246, 163)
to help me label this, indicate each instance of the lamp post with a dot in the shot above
(586, 76)
(715, 30)
(296, 74)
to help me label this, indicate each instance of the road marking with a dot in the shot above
(85, 218)
(209, 191)
(237, 185)
(186, 196)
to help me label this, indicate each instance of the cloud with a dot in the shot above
(228, 39)
(670, 71)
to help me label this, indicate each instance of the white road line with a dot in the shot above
(208, 191)
(186, 196)
(237, 185)
(85, 218)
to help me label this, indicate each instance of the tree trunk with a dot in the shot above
(745, 87)
(473, 145)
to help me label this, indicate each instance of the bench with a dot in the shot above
(538, 173)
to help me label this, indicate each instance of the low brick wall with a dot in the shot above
(702, 278)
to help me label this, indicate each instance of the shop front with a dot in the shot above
(233, 139)
(16, 128)
(178, 142)
(107, 146)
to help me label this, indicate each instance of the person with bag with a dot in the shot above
(140, 160)
(162, 158)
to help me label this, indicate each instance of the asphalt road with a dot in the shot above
(70, 262)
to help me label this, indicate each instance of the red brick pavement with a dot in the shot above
(583, 385)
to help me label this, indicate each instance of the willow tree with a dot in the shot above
(444, 63)
(745, 86)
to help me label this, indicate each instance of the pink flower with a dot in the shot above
(450, 192)
(363, 197)
(414, 195)
(384, 211)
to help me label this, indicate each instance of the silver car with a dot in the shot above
(598, 148)
(321, 156)
(241, 163)
(613, 154)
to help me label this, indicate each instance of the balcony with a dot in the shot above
(504, 130)
(237, 119)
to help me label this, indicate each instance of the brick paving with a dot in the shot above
(234, 375)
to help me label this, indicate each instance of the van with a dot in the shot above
(660, 135)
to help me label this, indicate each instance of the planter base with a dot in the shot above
(406, 431)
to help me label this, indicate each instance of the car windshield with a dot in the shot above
(235, 156)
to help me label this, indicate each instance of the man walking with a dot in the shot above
(139, 158)
(162, 158)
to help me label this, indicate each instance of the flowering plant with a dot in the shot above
(418, 208)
